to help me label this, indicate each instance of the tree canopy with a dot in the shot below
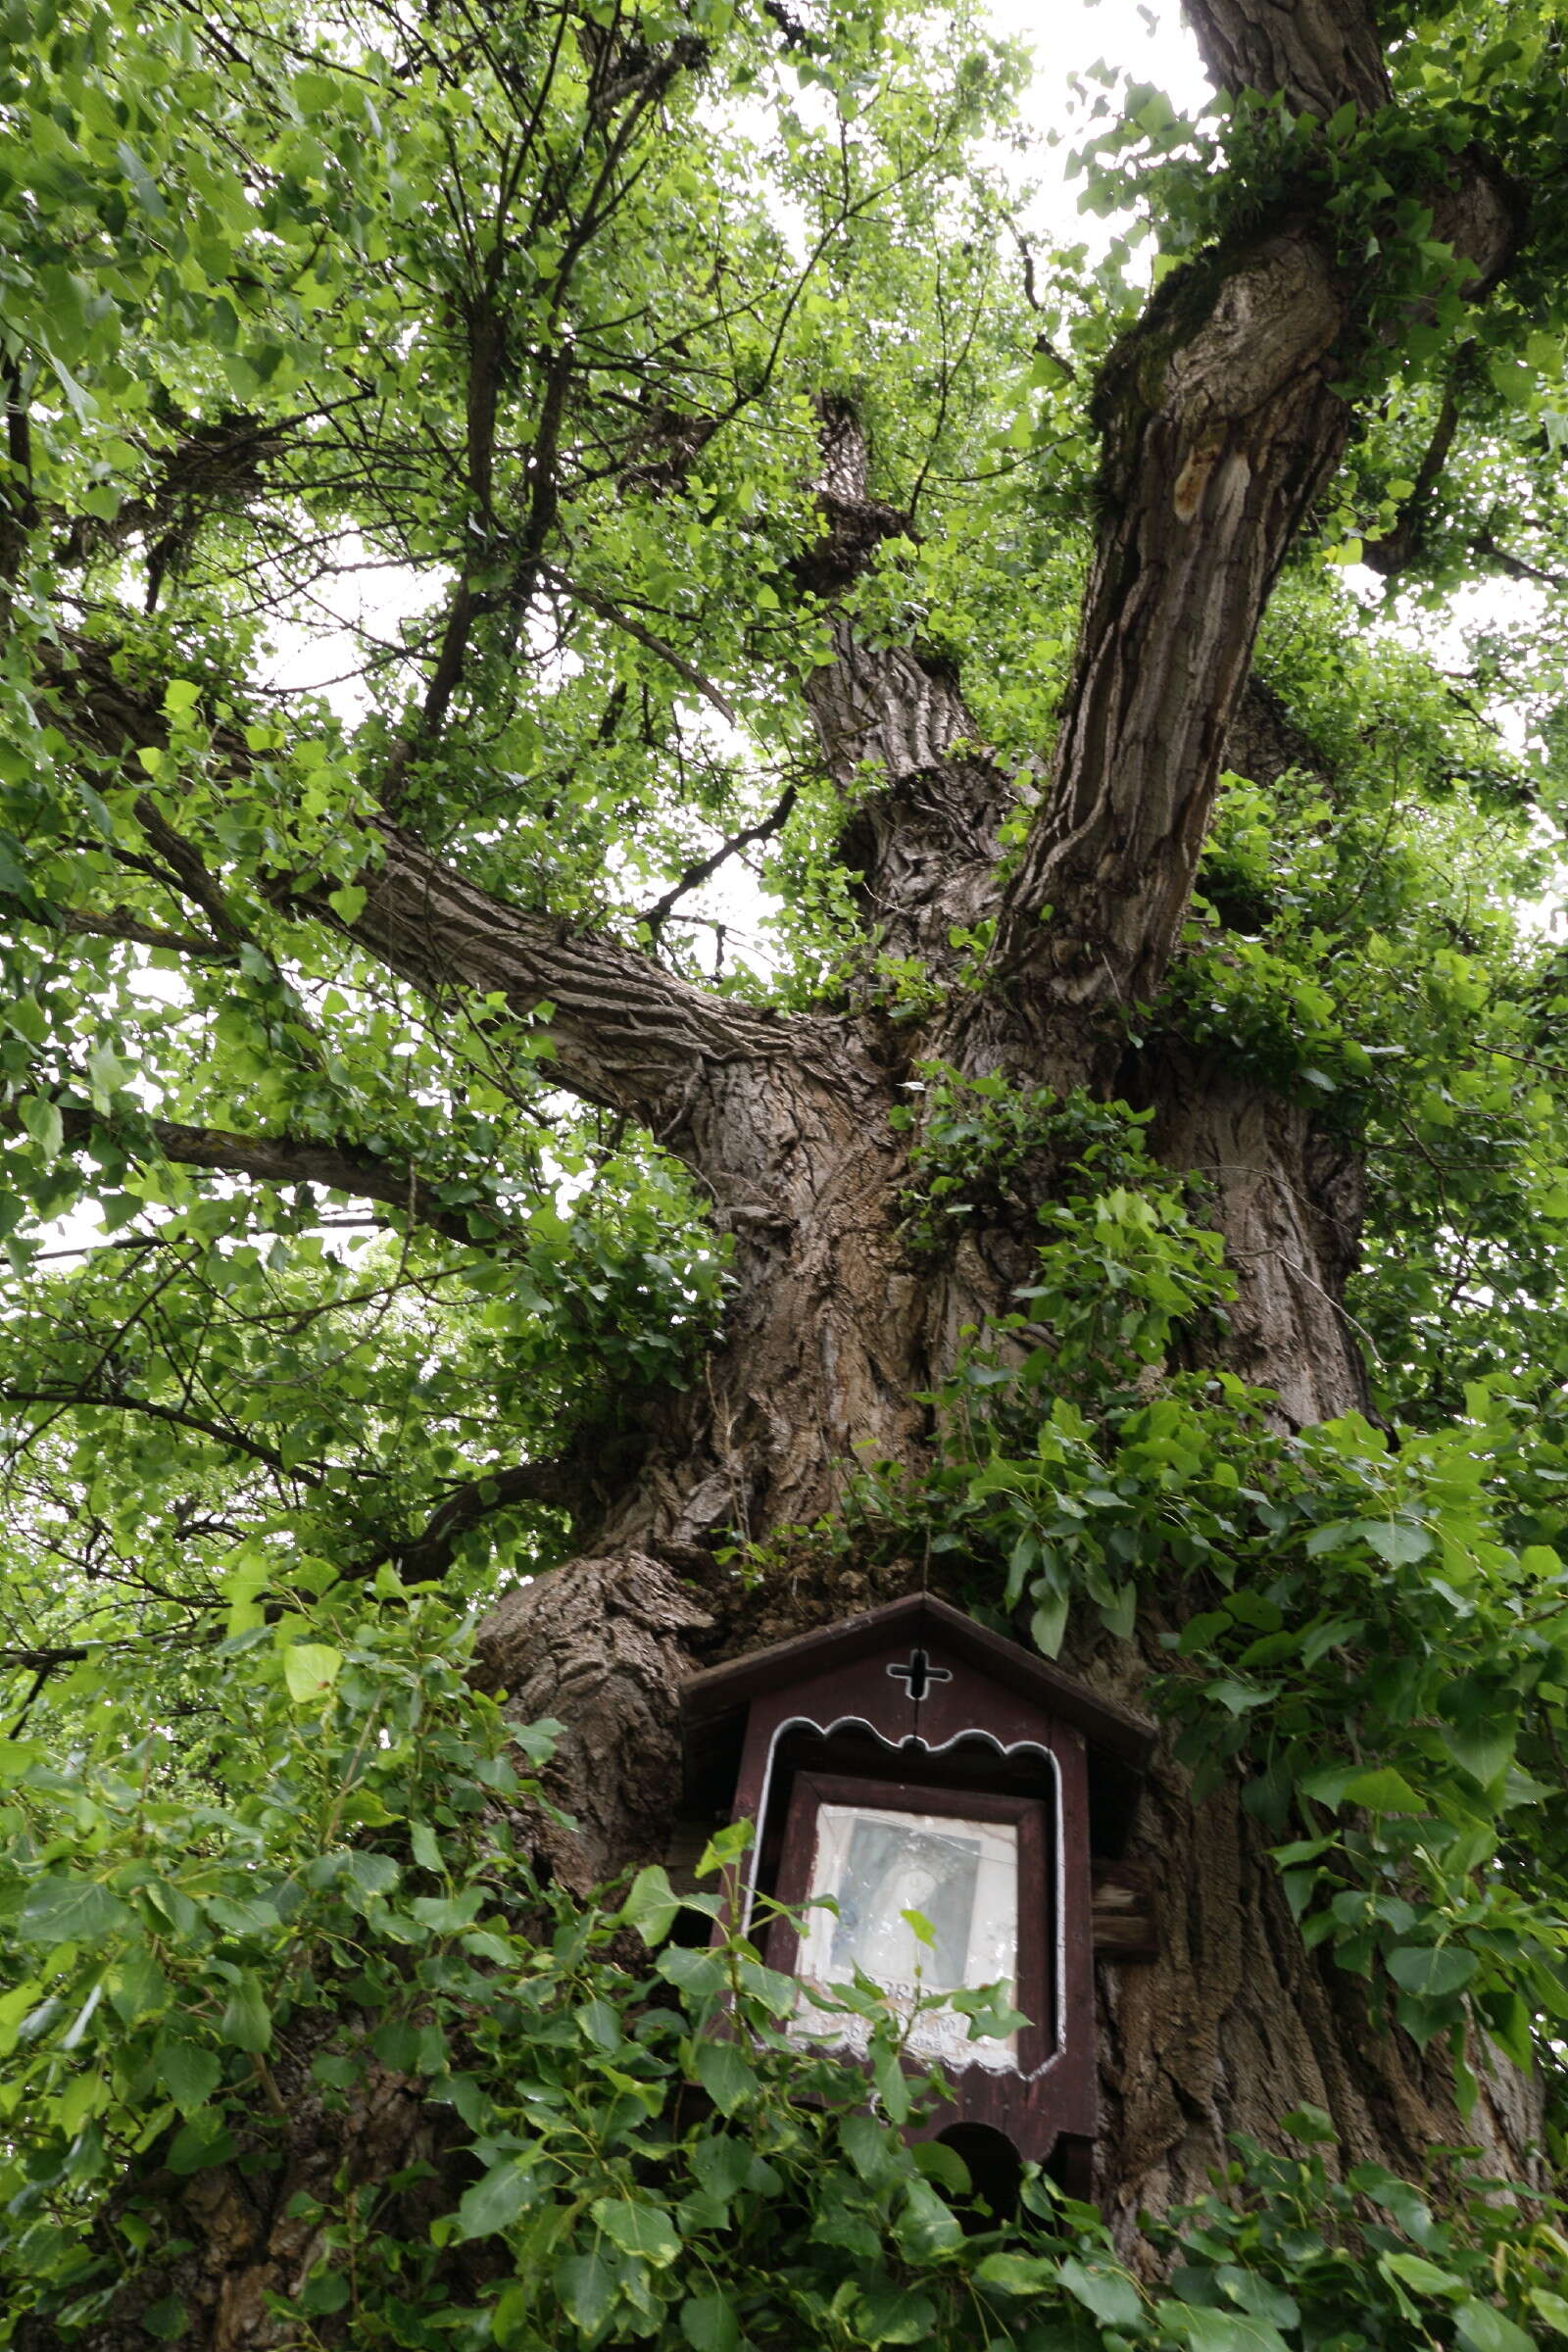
(506, 512)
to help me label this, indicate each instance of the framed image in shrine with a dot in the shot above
(934, 1805)
(926, 1891)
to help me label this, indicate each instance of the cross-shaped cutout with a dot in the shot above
(917, 1674)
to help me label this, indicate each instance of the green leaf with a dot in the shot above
(372, 1874)
(1397, 1541)
(1311, 2126)
(347, 903)
(710, 2325)
(43, 1122)
(894, 2315)
(724, 2073)
(1484, 2328)
(495, 2202)
(1111, 2295)
(167, 2321)
(646, 2231)
(588, 2285)
(1432, 1972)
(309, 1669)
(937, 2162)
(1383, 1790)
(247, 2022)
(696, 1974)
(1483, 1751)
(1422, 2276)
(1016, 2273)
(65, 1907)
(1048, 1625)
(1220, 2330)
(138, 1988)
(927, 2228)
(651, 1906)
(188, 2072)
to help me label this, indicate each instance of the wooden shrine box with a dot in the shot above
(908, 1760)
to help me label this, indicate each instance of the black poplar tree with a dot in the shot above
(750, 491)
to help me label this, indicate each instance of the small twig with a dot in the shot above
(608, 610)
(764, 830)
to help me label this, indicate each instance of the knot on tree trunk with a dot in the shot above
(599, 1645)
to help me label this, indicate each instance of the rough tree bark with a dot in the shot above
(1221, 421)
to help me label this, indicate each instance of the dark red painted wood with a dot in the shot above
(1005, 1731)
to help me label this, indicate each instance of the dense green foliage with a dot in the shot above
(521, 315)
(322, 1895)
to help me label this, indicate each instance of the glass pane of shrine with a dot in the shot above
(961, 1876)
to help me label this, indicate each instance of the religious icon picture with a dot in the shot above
(917, 1890)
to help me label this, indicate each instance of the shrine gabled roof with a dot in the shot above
(726, 1691)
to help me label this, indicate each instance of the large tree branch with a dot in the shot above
(1220, 422)
(63, 1398)
(1394, 553)
(626, 1033)
(553, 1484)
(339, 1167)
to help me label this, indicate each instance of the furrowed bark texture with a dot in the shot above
(1220, 427)
(893, 729)
(1220, 424)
